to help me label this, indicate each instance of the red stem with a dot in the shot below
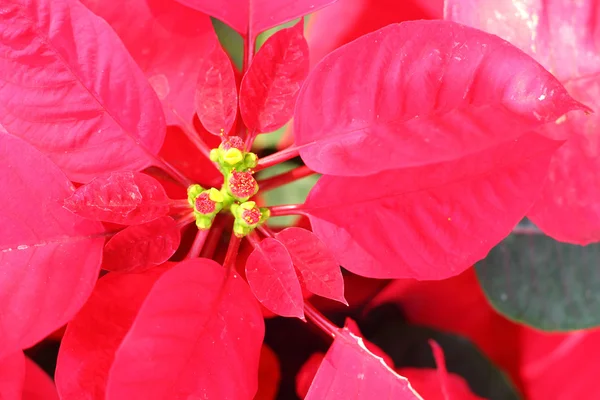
(287, 209)
(210, 246)
(198, 244)
(318, 319)
(285, 178)
(232, 252)
(276, 158)
(253, 239)
(174, 172)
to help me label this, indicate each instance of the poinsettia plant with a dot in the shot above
(136, 215)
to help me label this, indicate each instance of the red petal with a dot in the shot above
(88, 347)
(563, 37)
(432, 222)
(351, 371)
(140, 247)
(38, 385)
(49, 257)
(256, 15)
(216, 92)
(68, 86)
(269, 375)
(198, 334)
(418, 93)
(12, 376)
(272, 278)
(122, 197)
(320, 273)
(270, 87)
(168, 42)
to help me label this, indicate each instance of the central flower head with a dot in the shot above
(242, 185)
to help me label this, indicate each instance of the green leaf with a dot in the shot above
(533, 279)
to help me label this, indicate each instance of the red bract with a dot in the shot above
(69, 87)
(349, 370)
(124, 197)
(254, 16)
(168, 41)
(318, 270)
(270, 87)
(434, 221)
(563, 37)
(38, 385)
(272, 278)
(140, 247)
(49, 257)
(419, 93)
(216, 92)
(12, 376)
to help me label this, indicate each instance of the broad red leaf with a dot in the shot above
(140, 247)
(88, 347)
(122, 197)
(547, 358)
(320, 273)
(168, 41)
(438, 384)
(272, 278)
(325, 33)
(373, 348)
(38, 385)
(418, 93)
(269, 375)
(216, 92)
(49, 257)
(432, 222)
(198, 334)
(256, 15)
(349, 370)
(563, 37)
(12, 376)
(270, 87)
(69, 87)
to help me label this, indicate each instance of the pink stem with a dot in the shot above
(213, 239)
(276, 158)
(285, 178)
(193, 136)
(320, 320)
(253, 239)
(198, 244)
(265, 231)
(174, 172)
(186, 219)
(287, 209)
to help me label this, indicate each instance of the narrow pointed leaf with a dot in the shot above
(438, 384)
(563, 37)
(418, 93)
(273, 280)
(49, 257)
(198, 334)
(88, 347)
(216, 92)
(349, 370)
(69, 87)
(434, 221)
(535, 280)
(168, 41)
(38, 385)
(320, 273)
(256, 15)
(270, 87)
(12, 376)
(140, 247)
(122, 197)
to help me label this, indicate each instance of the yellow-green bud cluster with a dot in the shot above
(230, 156)
(207, 203)
(247, 217)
